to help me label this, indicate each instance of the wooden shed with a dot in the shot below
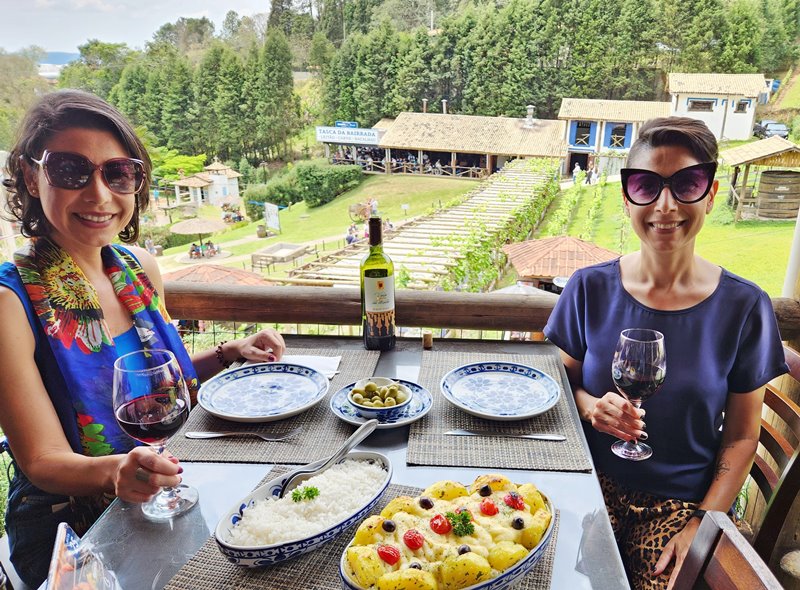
(778, 195)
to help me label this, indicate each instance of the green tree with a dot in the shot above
(129, 93)
(177, 113)
(228, 107)
(98, 69)
(742, 38)
(375, 74)
(207, 85)
(20, 88)
(321, 53)
(775, 49)
(413, 81)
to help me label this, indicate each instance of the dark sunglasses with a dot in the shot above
(74, 171)
(688, 185)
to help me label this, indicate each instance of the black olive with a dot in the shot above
(485, 490)
(389, 526)
(415, 566)
(464, 549)
(426, 503)
(518, 523)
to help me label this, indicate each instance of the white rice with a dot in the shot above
(343, 489)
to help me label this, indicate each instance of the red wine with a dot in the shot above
(640, 386)
(152, 419)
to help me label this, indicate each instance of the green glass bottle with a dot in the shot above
(377, 292)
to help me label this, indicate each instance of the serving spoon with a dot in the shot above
(302, 475)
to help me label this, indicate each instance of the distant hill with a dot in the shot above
(59, 58)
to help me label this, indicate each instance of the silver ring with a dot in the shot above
(142, 475)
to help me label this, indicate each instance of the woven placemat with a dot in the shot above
(318, 570)
(322, 431)
(428, 445)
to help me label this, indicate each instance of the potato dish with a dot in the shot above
(450, 537)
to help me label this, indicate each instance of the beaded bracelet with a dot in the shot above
(221, 357)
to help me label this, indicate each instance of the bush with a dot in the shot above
(278, 191)
(322, 183)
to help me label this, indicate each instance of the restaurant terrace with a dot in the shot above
(465, 146)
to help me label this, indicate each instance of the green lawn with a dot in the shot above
(299, 224)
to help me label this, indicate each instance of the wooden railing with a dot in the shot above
(432, 309)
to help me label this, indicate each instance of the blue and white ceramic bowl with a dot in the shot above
(505, 580)
(257, 556)
(385, 413)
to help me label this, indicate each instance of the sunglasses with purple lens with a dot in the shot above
(74, 171)
(688, 185)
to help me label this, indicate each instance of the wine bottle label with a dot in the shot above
(379, 305)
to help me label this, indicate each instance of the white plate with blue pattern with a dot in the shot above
(420, 404)
(500, 391)
(262, 392)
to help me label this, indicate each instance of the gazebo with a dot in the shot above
(541, 261)
(780, 196)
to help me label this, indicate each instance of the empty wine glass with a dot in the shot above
(638, 369)
(151, 403)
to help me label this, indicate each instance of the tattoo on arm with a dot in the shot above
(722, 466)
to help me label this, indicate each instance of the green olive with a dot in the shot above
(357, 397)
(389, 401)
(370, 387)
(378, 404)
(367, 403)
(401, 396)
(358, 390)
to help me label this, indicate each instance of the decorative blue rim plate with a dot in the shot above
(500, 391)
(420, 404)
(262, 392)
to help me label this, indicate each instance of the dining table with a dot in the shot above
(181, 553)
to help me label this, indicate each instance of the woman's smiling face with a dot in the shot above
(668, 225)
(92, 216)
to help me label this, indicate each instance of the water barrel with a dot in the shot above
(779, 194)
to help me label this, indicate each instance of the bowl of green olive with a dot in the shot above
(378, 397)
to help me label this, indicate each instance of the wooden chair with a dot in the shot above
(779, 485)
(720, 558)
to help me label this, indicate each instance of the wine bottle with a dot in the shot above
(377, 292)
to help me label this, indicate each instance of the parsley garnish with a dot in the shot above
(462, 523)
(307, 493)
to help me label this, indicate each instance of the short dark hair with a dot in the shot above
(53, 113)
(692, 134)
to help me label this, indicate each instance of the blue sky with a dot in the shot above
(62, 25)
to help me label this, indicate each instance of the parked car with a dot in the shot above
(769, 128)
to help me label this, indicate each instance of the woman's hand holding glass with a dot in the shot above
(638, 369)
(151, 403)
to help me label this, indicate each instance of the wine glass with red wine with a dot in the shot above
(151, 403)
(638, 369)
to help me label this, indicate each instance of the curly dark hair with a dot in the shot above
(53, 113)
(691, 134)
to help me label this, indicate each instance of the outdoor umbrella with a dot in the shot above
(197, 225)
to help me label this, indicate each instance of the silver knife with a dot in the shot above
(533, 435)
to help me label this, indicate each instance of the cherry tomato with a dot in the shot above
(440, 524)
(389, 554)
(488, 507)
(413, 539)
(514, 500)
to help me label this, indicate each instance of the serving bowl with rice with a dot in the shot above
(262, 529)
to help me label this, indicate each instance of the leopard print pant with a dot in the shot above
(643, 524)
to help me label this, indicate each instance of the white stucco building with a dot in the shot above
(219, 183)
(725, 102)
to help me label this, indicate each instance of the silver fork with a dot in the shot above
(262, 435)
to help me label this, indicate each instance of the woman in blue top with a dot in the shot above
(71, 304)
(722, 346)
